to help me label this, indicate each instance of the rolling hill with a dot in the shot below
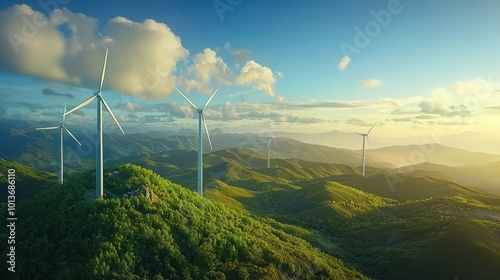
(165, 232)
(349, 226)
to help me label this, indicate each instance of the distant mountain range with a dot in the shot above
(40, 149)
(478, 142)
(486, 177)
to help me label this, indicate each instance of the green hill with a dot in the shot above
(386, 225)
(29, 181)
(167, 232)
(329, 200)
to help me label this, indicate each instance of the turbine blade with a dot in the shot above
(274, 141)
(369, 144)
(269, 144)
(206, 130)
(63, 116)
(84, 103)
(47, 128)
(371, 128)
(72, 136)
(111, 113)
(185, 97)
(210, 99)
(103, 70)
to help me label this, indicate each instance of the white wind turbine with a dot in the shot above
(271, 139)
(201, 119)
(99, 148)
(365, 135)
(61, 154)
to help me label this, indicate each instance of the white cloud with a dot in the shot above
(67, 47)
(259, 76)
(280, 74)
(281, 99)
(344, 62)
(142, 56)
(208, 66)
(440, 103)
(30, 45)
(371, 83)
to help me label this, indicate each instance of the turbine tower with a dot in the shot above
(61, 154)
(365, 135)
(201, 119)
(271, 139)
(99, 147)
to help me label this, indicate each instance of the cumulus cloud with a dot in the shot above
(207, 67)
(49, 91)
(281, 99)
(438, 109)
(30, 45)
(142, 56)
(260, 77)
(68, 47)
(344, 62)
(440, 103)
(371, 83)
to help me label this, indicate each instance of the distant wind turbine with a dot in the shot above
(271, 139)
(365, 135)
(99, 147)
(61, 128)
(201, 119)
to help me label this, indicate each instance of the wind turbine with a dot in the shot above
(61, 128)
(99, 149)
(271, 139)
(365, 135)
(201, 119)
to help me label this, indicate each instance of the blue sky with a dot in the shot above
(417, 66)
